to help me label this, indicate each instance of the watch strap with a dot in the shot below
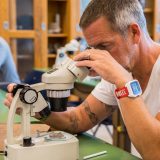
(121, 92)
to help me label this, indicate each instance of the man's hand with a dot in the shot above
(9, 97)
(104, 65)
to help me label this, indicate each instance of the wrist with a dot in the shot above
(122, 82)
(130, 89)
(43, 114)
(37, 116)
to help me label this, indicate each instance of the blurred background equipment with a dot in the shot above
(54, 27)
(69, 50)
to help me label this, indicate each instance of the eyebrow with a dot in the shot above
(100, 44)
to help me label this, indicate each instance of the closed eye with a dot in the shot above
(106, 47)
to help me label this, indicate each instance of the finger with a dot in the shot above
(89, 54)
(9, 97)
(81, 56)
(10, 87)
(7, 103)
(85, 63)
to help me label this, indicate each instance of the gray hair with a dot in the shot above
(120, 14)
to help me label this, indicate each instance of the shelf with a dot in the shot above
(57, 35)
(50, 55)
(21, 33)
(58, 0)
(148, 10)
(24, 57)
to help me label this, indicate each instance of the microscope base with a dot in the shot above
(45, 148)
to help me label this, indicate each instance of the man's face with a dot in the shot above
(100, 35)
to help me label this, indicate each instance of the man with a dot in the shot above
(123, 51)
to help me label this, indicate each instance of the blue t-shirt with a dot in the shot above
(8, 72)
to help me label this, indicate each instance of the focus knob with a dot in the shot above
(28, 95)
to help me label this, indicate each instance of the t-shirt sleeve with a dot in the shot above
(104, 92)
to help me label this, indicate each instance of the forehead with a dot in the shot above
(98, 31)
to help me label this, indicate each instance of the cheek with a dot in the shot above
(120, 55)
(123, 53)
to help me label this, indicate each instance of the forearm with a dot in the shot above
(75, 120)
(80, 118)
(144, 130)
(67, 121)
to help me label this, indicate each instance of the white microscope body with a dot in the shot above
(46, 146)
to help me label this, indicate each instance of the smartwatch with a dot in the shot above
(131, 89)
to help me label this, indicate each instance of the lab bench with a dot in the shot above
(91, 145)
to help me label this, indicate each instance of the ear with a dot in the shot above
(135, 32)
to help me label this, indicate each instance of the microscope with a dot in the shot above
(54, 145)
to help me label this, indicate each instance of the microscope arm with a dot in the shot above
(28, 110)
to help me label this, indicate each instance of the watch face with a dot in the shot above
(135, 87)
